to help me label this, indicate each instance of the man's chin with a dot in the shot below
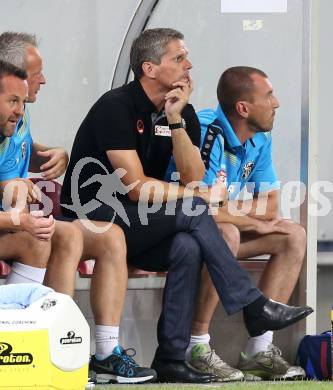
(32, 99)
(9, 130)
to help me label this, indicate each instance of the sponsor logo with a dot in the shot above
(162, 131)
(48, 303)
(71, 339)
(9, 358)
(269, 365)
(140, 126)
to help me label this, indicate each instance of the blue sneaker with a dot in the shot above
(120, 367)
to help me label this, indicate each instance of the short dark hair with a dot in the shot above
(236, 84)
(150, 46)
(7, 69)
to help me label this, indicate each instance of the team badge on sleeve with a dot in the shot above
(221, 175)
(247, 169)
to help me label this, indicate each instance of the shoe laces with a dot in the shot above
(214, 359)
(127, 355)
(274, 351)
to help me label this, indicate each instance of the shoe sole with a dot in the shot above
(262, 375)
(110, 378)
(220, 378)
(168, 380)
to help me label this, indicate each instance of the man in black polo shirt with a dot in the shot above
(130, 134)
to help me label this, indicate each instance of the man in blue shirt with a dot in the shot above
(236, 149)
(24, 236)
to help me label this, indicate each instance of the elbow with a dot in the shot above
(193, 175)
(134, 195)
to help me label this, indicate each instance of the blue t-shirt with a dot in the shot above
(15, 151)
(227, 160)
(230, 162)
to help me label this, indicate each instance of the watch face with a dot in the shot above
(184, 123)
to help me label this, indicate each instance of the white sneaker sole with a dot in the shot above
(109, 378)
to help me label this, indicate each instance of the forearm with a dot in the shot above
(12, 222)
(150, 189)
(263, 207)
(187, 157)
(243, 222)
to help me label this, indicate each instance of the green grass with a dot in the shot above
(307, 385)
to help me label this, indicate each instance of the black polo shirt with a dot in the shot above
(124, 119)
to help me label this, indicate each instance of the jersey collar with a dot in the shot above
(229, 133)
(141, 100)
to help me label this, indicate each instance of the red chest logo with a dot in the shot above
(140, 127)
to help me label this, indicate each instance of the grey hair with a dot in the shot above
(150, 46)
(13, 47)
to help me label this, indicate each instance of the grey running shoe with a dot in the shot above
(206, 360)
(269, 365)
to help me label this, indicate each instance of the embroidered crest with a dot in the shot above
(140, 126)
(247, 169)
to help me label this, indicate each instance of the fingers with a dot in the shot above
(37, 213)
(53, 169)
(45, 153)
(174, 93)
(280, 230)
(54, 160)
(53, 173)
(56, 165)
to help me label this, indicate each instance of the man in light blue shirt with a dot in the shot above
(236, 147)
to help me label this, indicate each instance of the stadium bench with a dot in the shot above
(138, 279)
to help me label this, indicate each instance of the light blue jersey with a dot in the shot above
(227, 160)
(15, 151)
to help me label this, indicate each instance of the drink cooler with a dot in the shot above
(45, 346)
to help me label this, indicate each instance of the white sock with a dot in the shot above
(194, 340)
(107, 338)
(22, 273)
(259, 343)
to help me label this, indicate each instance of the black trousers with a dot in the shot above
(180, 243)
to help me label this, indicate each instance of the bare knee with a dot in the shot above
(34, 252)
(68, 239)
(295, 239)
(231, 236)
(113, 244)
(296, 236)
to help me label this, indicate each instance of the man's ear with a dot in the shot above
(148, 69)
(242, 109)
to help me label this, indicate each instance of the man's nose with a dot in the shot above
(19, 109)
(276, 103)
(188, 64)
(42, 79)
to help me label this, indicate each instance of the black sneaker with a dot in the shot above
(120, 367)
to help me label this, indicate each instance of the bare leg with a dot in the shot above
(24, 248)
(207, 298)
(109, 281)
(287, 254)
(67, 246)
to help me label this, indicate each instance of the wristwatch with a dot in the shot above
(179, 125)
